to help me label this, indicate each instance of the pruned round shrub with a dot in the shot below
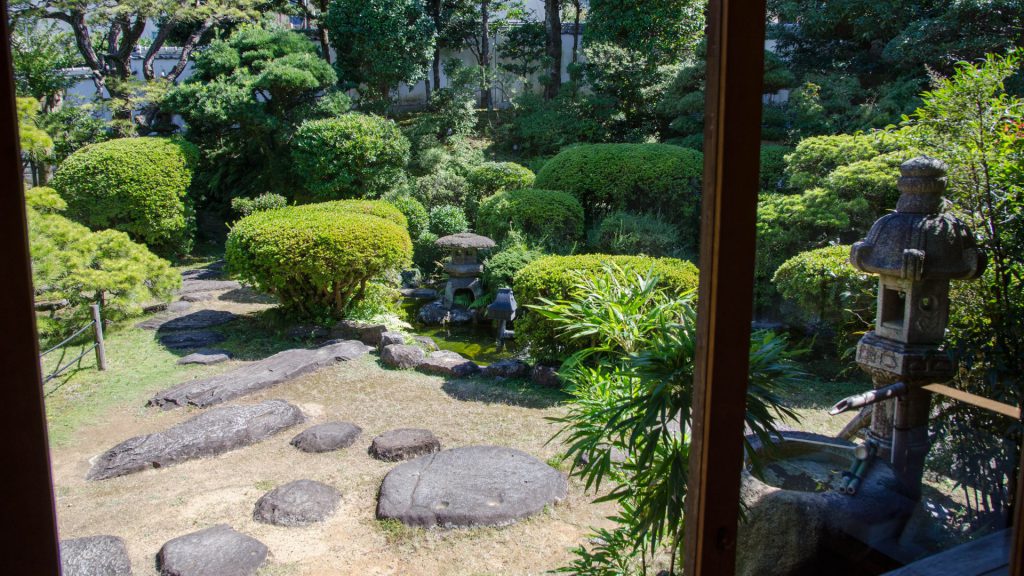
(136, 185)
(317, 258)
(653, 178)
(548, 217)
(501, 267)
(553, 278)
(814, 158)
(629, 233)
(351, 156)
(266, 201)
(447, 219)
(414, 212)
(378, 208)
(493, 177)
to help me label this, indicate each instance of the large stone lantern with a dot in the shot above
(915, 251)
(464, 267)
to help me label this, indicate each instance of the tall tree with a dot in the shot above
(553, 27)
(664, 31)
(40, 52)
(453, 21)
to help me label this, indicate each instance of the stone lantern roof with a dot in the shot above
(919, 241)
(465, 241)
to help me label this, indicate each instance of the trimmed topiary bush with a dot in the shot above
(414, 212)
(548, 217)
(136, 185)
(628, 233)
(653, 178)
(447, 219)
(379, 208)
(813, 158)
(553, 278)
(350, 156)
(317, 258)
(266, 201)
(501, 267)
(493, 177)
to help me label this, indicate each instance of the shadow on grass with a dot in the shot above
(246, 295)
(511, 392)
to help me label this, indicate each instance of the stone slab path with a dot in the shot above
(403, 444)
(327, 437)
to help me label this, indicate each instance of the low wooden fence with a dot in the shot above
(96, 324)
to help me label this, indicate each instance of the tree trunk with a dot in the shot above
(187, 48)
(436, 67)
(576, 31)
(553, 26)
(426, 86)
(154, 49)
(485, 55)
(325, 44)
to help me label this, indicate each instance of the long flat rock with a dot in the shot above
(469, 486)
(257, 375)
(214, 432)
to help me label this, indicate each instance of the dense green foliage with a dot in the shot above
(416, 216)
(501, 267)
(549, 218)
(139, 186)
(318, 258)
(662, 30)
(493, 177)
(69, 262)
(625, 86)
(553, 278)
(631, 233)
(245, 206)
(542, 127)
(773, 166)
(241, 104)
(380, 43)
(447, 219)
(350, 156)
(654, 178)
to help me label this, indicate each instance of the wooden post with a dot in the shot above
(97, 330)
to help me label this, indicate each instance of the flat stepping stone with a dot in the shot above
(191, 339)
(297, 503)
(257, 375)
(206, 357)
(199, 297)
(469, 486)
(506, 369)
(211, 433)
(402, 356)
(403, 444)
(190, 286)
(203, 274)
(179, 306)
(327, 437)
(448, 364)
(95, 556)
(215, 551)
(197, 320)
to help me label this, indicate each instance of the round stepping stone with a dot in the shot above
(327, 437)
(402, 356)
(297, 503)
(215, 551)
(469, 486)
(95, 556)
(403, 444)
(206, 357)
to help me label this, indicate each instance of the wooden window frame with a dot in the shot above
(732, 137)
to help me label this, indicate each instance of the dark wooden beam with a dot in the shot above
(1017, 540)
(30, 546)
(732, 136)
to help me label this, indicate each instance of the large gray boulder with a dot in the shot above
(470, 486)
(214, 432)
(297, 503)
(403, 444)
(437, 313)
(389, 338)
(509, 368)
(402, 356)
(448, 364)
(368, 334)
(95, 556)
(327, 437)
(194, 321)
(215, 551)
(257, 375)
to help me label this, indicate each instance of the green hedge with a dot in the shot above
(553, 278)
(350, 156)
(653, 178)
(548, 217)
(414, 212)
(136, 185)
(317, 258)
(379, 208)
(493, 177)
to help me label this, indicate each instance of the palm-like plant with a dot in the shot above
(633, 395)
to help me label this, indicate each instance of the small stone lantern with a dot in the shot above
(915, 252)
(503, 309)
(464, 267)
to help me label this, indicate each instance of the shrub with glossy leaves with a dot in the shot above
(548, 217)
(318, 258)
(493, 177)
(351, 156)
(136, 185)
(773, 167)
(814, 158)
(447, 219)
(630, 233)
(554, 277)
(654, 178)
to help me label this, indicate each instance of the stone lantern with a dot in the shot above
(915, 251)
(464, 267)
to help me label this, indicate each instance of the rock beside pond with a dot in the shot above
(470, 486)
(447, 364)
(403, 444)
(402, 356)
(208, 434)
(327, 437)
(257, 375)
(206, 357)
(389, 338)
(95, 556)
(546, 376)
(191, 339)
(368, 334)
(297, 503)
(215, 551)
(425, 342)
(436, 313)
(510, 368)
